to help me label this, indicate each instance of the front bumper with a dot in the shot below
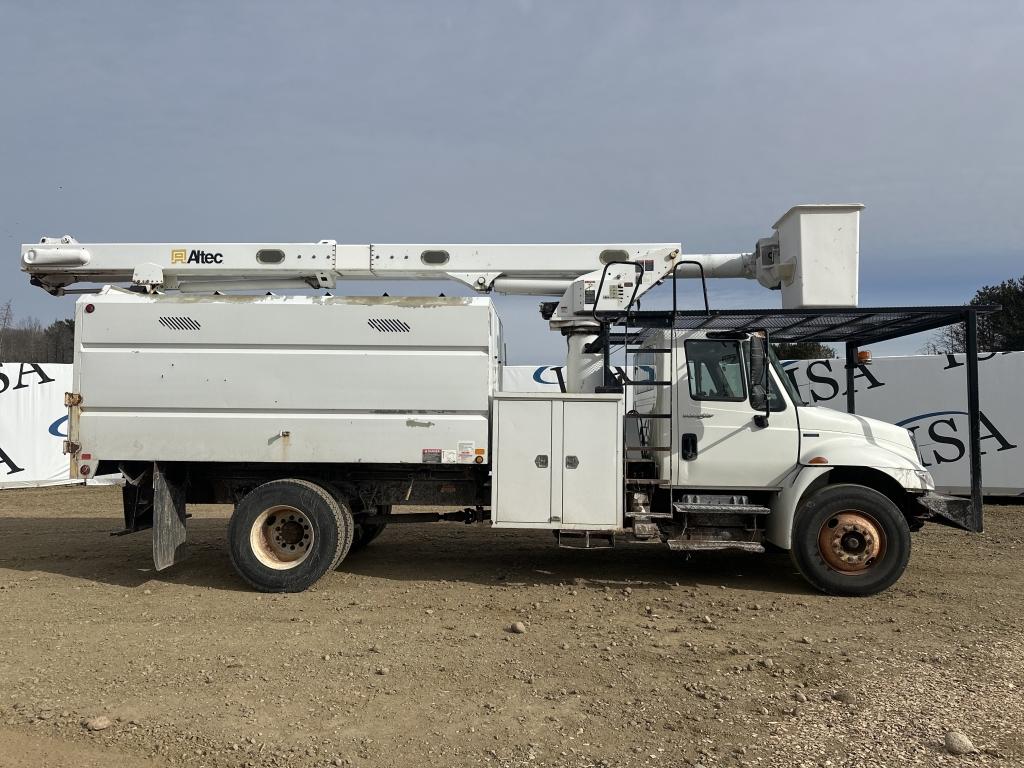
(952, 510)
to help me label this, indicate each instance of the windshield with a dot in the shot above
(787, 382)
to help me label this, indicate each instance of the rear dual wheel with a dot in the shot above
(367, 531)
(286, 534)
(364, 531)
(850, 540)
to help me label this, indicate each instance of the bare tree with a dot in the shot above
(1002, 331)
(6, 317)
(804, 350)
(946, 340)
(28, 341)
(60, 341)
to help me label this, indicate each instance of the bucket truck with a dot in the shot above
(317, 415)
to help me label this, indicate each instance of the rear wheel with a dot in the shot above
(850, 540)
(366, 531)
(284, 535)
(363, 532)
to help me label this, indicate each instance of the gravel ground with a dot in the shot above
(630, 657)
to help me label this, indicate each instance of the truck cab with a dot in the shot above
(723, 453)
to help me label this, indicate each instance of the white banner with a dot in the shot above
(533, 378)
(927, 394)
(33, 424)
(551, 378)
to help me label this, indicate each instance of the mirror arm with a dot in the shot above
(761, 419)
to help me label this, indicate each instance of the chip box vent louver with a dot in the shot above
(388, 325)
(180, 323)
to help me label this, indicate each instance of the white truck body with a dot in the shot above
(286, 379)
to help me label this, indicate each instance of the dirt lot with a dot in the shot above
(631, 657)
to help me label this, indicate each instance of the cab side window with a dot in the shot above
(716, 370)
(776, 402)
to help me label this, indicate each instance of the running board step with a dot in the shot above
(704, 545)
(647, 531)
(586, 539)
(721, 509)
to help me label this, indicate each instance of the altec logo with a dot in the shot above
(196, 257)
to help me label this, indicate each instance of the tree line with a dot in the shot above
(29, 341)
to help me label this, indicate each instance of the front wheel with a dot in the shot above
(850, 540)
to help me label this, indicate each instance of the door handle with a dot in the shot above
(688, 446)
(541, 461)
(571, 462)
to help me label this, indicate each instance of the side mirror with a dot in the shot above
(759, 367)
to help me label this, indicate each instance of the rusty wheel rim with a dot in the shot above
(851, 542)
(281, 537)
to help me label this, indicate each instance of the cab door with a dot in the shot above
(719, 444)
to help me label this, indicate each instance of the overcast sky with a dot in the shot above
(522, 121)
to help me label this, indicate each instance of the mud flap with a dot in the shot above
(952, 510)
(168, 516)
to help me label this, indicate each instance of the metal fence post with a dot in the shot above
(974, 417)
(851, 366)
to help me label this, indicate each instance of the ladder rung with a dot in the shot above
(638, 350)
(648, 448)
(647, 383)
(648, 415)
(644, 481)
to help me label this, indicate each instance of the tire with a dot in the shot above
(362, 533)
(367, 532)
(850, 540)
(286, 534)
